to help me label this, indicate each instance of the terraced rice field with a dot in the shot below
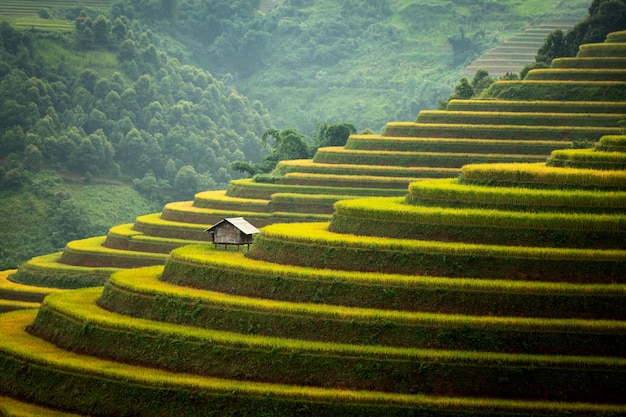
(417, 272)
(515, 53)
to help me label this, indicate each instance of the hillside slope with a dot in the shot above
(496, 293)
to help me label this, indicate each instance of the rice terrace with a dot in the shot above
(471, 262)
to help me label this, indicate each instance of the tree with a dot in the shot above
(102, 31)
(14, 179)
(33, 159)
(554, 47)
(288, 144)
(327, 134)
(605, 16)
(71, 222)
(186, 183)
(481, 81)
(285, 144)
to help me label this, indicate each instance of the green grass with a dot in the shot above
(54, 54)
(460, 145)
(585, 107)
(10, 290)
(47, 271)
(577, 74)
(450, 191)
(519, 118)
(339, 155)
(313, 245)
(394, 209)
(10, 407)
(247, 188)
(309, 166)
(505, 132)
(144, 385)
(50, 25)
(219, 200)
(557, 91)
(317, 233)
(540, 175)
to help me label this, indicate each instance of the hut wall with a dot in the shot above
(227, 233)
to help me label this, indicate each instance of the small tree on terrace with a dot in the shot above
(286, 144)
(327, 134)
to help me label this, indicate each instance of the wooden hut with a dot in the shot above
(233, 231)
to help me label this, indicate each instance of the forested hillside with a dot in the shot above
(360, 61)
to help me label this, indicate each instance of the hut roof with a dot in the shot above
(240, 223)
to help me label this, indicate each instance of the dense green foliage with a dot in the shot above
(133, 112)
(605, 16)
(315, 61)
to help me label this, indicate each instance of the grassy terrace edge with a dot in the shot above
(309, 166)
(391, 217)
(122, 338)
(142, 294)
(450, 191)
(539, 174)
(47, 270)
(10, 407)
(87, 376)
(323, 249)
(80, 305)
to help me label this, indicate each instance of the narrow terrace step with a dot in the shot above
(469, 146)
(186, 213)
(519, 118)
(596, 62)
(91, 253)
(347, 181)
(14, 291)
(339, 155)
(123, 237)
(215, 353)
(308, 166)
(10, 407)
(47, 271)
(588, 107)
(219, 200)
(12, 305)
(249, 189)
(557, 90)
(313, 245)
(391, 217)
(123, 389)
(202, 268)
(607, 49)
(577, 74)
(503, 132)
